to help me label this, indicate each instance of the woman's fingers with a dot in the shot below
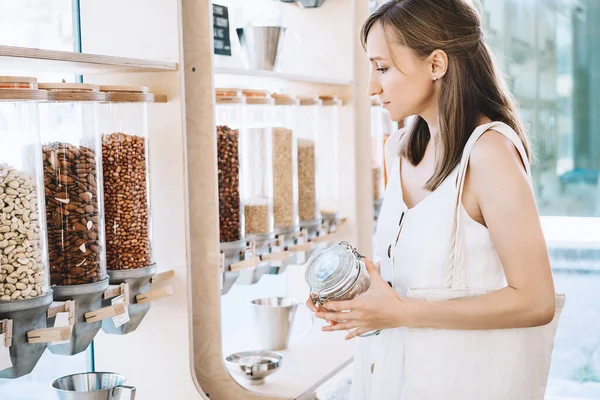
(336, 316)
(357, 331)
(310, 303)
(342, 326)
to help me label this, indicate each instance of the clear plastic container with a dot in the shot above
(229, 116)
(337, 273)
(125, 164)
(24, 257)
(308, 144)
(285, 164)
(72, 157)
(327, 157)
(377, 150)
(257, 165)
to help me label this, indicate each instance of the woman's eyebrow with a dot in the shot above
(377, 59)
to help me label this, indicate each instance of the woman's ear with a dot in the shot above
(438, 61)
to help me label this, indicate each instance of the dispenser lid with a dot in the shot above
(127, 94)
(282, 99)
(20, 88)
(258, 96)
(70, 92)
(229, 95)
(330, 100)
(310, 101)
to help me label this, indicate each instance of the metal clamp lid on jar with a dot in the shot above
(330, 282)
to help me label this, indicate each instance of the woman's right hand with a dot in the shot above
(315, 306)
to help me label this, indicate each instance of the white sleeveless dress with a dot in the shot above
(420, 254)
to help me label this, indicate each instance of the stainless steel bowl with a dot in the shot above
(255, 365)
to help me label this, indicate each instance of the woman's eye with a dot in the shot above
(382, 69)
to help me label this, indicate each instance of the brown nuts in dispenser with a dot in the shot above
(72, 214)
(126, 201)
(230, 221)
(22, 274)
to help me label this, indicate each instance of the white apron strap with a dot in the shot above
(456, 276)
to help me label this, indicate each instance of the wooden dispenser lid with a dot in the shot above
(72, 92)
(258, 96)
(282, 99)
(127, 94)
(310, 101)
(330, 100)
(20, 88)
(229, 95)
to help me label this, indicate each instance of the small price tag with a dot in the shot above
(5, 361)
(120, 319)
(62, 319)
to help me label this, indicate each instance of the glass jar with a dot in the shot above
(126, 173)
(327, 157)
(23, 259)
(229, 117)
(257, 165)
(285, 174)
(377, 132)
(72, 157)
(337, 273)
(308, 144)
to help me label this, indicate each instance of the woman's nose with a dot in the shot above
(374, 87)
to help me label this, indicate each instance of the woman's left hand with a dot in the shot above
(381, 307)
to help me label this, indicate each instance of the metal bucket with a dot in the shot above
(261, 45)
(93, 386)
(273, 317)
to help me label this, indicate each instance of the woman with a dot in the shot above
(429, 59)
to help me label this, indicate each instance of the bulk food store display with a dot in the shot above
(328, 157)
(257, 169)
(126, 176)
(72, 162)
(24, 278)
(378, 120)
(308, 135)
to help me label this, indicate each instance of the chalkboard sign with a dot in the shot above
(221, 30)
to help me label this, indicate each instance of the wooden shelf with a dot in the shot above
(28, 59)
(306, 365)
(281, 76)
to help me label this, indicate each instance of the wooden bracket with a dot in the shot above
(114, 291)
(49, 335)
(104, 313)
(154, 294)
(297, 248)
(6, 326)
(67, 306)
(163, 276)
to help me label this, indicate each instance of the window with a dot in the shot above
(549, 50)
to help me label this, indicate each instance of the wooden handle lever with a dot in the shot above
(154, 294)
(163, 276)
(6, 327)
(244, 264)
(104, 313)
(281, 256)
(49, 335)
(300, 247)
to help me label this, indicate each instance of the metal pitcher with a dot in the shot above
(93, 386)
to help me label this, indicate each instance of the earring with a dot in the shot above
(435, 78)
